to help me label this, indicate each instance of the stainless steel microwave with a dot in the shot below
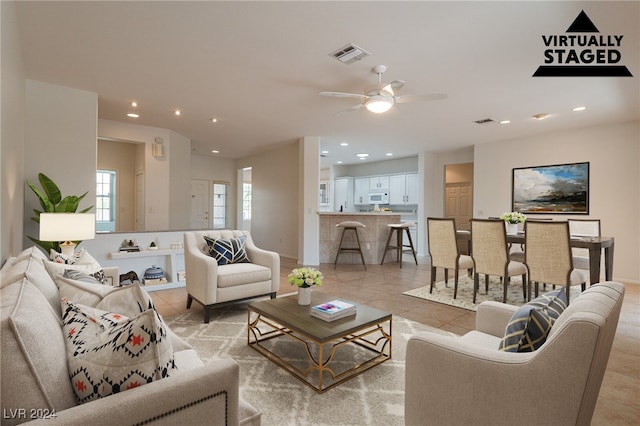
(379, 198)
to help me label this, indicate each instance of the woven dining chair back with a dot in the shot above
(490, 253)
(489, 246)
(548, 252)
(584, 227)
(443, 245)
(443, 251)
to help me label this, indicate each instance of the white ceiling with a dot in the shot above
(259, 66)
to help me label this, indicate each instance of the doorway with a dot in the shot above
(199, 204)
(459, 194)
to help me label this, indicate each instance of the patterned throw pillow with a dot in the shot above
(529, 326)
(93, 268)
(80, 276)
(109, 352)
(54, 256)
(228, 251)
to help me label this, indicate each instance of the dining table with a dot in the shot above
(595, 245)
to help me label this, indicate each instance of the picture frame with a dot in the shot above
(552, 189)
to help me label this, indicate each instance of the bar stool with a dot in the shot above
(346, 226)
(400, 247)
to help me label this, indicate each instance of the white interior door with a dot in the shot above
(199, 204)
(459, 203)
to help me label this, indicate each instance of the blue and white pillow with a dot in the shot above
(529, 326)
(228, 251)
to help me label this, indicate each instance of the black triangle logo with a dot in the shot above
(582, 24)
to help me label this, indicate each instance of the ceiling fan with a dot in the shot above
(384, 97)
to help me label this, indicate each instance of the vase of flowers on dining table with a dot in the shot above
(511, 220)
(305, 279)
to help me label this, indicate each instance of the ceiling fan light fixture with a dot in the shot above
(378, 104)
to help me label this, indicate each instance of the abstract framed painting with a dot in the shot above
(557, 189)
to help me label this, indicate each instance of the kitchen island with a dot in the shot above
(373, 237)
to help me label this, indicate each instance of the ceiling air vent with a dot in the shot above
(349, 53)
(484, 121)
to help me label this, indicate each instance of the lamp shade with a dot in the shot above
(67, 226)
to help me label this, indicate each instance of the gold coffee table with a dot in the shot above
(319, 353)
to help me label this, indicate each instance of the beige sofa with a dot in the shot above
(213, 285)
(35, 381)
(467, 380)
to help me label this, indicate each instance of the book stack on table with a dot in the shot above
(333, 310)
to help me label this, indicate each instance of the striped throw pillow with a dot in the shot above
(530, 324)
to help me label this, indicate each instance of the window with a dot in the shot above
(219, 205)
(106, 199)
(246, 201)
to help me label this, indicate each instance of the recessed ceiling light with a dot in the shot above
(215, 151)
(339, 162)
(505, 121)
(133, 115)
(214, 120)
(580, 108)
(362, 155)
(540, 116)
(344, 144)
(177, 112)
(325, 152)
(134, 104)
(389, 154)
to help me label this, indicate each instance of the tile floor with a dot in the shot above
(382, 287)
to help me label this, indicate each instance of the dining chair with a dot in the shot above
(548, 256)
(443, 251)
(583, 228)
(516, 252)
(490, 253)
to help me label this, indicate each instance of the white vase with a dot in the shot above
(512, 228)
(304, 295)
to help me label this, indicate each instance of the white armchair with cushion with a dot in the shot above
(234, 276)
(468, 380)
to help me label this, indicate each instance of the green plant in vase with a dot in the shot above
(51, 201)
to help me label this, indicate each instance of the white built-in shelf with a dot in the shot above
(171, 271)
(145, 253)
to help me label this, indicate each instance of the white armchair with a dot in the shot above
(467, 380)
(212, 285)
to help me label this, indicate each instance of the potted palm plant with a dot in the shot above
(52, 201)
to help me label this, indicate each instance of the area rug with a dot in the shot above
(443, 293)
(375, 397)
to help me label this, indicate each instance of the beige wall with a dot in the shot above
(121, 158)
(613, 154)
(459, 173)
(274, 222)
(60, 141)
(12, 134)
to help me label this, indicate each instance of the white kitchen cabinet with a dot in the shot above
(361, 191)
(343, 194)
(324, 193)
(413, 188)
(379, 183)
(403, 189)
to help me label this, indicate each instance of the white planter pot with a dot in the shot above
(304, 295)
(512, 228)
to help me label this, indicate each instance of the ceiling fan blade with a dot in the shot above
(343, 95)
(352, 109)
(397, 84)
(420, 98)
(388, 89)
